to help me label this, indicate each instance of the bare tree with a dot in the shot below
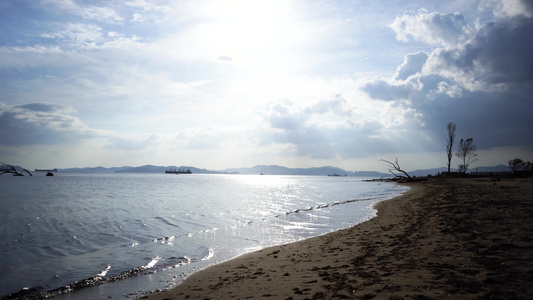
(12, 170)
(467, 153)
(449, 143)
(396, 166)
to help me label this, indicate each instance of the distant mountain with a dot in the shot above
(141, 169)
(273, 170)
(373, 174)
(92, 170)
(145, 169)
(320, 171)
(267, 170)
(160, 169)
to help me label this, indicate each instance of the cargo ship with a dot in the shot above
(178, 171)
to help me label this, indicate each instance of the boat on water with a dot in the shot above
(46, 170)
(337, 175)
(178, 171)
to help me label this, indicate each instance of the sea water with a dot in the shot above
(86, 236)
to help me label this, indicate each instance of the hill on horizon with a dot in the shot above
(271, 170)
(267, 170)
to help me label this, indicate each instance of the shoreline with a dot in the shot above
(444, 238)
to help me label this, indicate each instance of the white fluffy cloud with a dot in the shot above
(508, 8)
(412, 64)
(432, 28)
(91, 12)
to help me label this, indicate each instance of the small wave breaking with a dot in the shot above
(36, 293)
(298, 210)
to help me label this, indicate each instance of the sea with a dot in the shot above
(119, 235)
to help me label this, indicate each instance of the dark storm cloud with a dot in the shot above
(500, 53)
(496, 119)
(40, 123)
(529, 5)
(44, 107)
(484, 85)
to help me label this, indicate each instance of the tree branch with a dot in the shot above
(12, 170)
(396, 166)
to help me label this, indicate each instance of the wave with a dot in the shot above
(377, 197)
(166, 222)
(108, 272)
(153, 266)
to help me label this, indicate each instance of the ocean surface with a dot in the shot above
(90, 236)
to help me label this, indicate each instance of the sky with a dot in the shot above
(234, 83)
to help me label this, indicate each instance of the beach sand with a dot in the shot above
(444, 239)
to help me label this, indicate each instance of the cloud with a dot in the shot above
(41, 123)
(76, 46)
(482, 83)
(431, 28)
(412, 64)
(389, 90)
(90, 12)
(131, 143)
(404, 82)
(499, 54)
(225, 58)
(147, 11)
(45, 108)
(337, 106)
(79, 35)
(32, 56)
(337, 128)
(218, 140)
(177, 77)
(284, 115)
(147, 6)
(508, 8)
(453, 91)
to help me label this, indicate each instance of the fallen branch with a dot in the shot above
(12, 170)
(396, 166)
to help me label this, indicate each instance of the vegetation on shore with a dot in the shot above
(466, 152)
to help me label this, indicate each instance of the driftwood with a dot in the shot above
(12, 170)
(396, 166)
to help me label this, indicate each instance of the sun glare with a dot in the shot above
(250, 30)
(259, 180)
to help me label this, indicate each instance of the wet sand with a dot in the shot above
(444, 239)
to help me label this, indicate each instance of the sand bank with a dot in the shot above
(453, 239)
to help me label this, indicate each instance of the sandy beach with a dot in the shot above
(444, 239)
